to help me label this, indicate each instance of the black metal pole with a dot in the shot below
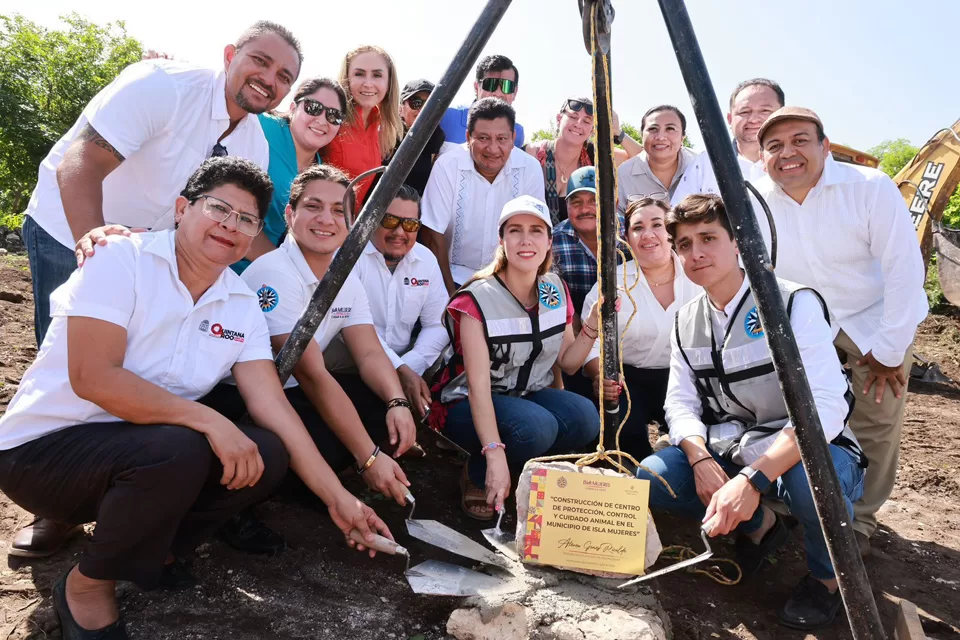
(407, 154)
(862, 613)
(598, 16)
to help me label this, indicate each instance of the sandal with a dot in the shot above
(473, 500)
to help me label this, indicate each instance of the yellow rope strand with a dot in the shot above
(680, 553)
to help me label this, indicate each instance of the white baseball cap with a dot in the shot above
(526, 204)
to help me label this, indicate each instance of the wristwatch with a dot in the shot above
(618, 139)
(757, 478)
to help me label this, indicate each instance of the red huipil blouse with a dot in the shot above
(356, 150)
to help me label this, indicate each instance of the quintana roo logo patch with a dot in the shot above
(268, 298)
(549, 295)
(751, 324)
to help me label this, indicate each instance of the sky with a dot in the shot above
(872, 69)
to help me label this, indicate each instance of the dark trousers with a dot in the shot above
(152, 490)
(225, 399)
(648, 390)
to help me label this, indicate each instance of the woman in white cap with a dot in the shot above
(509, 325)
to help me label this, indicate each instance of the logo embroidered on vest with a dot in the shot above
(549, 295)
(751, 324)
(268, 297)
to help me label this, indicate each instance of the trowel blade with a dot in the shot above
(442, 536)
(706, 555)
(504, 541)
(444, 579)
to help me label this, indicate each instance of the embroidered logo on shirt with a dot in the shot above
(549, 295)
(751, 324)
(268, 297)
(413, 282)
(205, 326)
(217, 331)
(340, 312)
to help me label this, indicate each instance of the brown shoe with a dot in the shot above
(863, 541)
(42, 538)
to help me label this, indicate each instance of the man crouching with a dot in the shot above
(733, 440)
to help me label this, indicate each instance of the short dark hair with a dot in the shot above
(261, 27)
(490, 109)
(241, 173)
(496, 63)
(636, 205)
(663, 107)
(697, 208)
(408, 193)
(325, 172)
(311, 85)
(757, 82)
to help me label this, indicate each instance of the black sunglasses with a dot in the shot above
(315, 108)
(492, 84)
(391, 222)
(219, 151)
(416, 103)
(578, 105)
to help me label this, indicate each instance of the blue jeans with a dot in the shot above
(51, 264)
(549, 421)
(792, 487)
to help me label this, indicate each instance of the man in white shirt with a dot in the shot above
(468, 188)
(733, 438)
(129, 154)
(404, 285)
(751, 103)
(657, 170)
(845, 231)
(349, 417)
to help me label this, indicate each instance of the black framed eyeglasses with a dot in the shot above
(219, 211)
(579, 105)
(416, 103)
(316, 108)
(492, 84)
(391, 222)
(219, 151)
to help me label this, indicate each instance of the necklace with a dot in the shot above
(667, 281)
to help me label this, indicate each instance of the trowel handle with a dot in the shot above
(379, 543)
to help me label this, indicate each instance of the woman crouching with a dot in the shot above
(509, 324)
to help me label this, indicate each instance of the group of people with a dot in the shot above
(179, 229)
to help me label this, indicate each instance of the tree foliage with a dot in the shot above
(47, 76)
(894, 155)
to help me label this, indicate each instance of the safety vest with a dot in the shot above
(743, 405)
(523, 345)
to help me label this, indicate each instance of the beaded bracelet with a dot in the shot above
(491, 446)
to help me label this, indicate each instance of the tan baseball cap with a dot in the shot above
(788, 113)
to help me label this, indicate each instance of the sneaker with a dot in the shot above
(811, 606)
(751, 556)
(244, 532)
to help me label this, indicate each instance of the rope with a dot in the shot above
(681, 553)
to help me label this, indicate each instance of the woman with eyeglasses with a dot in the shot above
(659, 289)
(573, 149)
(372, 128)
(295, 140)
(109, 427)
(509, 325)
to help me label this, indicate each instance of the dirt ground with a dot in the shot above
(319, 589)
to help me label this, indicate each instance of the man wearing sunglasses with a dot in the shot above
(412, 98)
(127, 157)
(404, 286)
(497, 77)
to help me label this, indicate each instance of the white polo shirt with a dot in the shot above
(646, 343)
(163, 117)
(185, 348)
(459, 203)
(700, 177)
(284, 284)
(636, 179)
(853, 240)
(414, 291)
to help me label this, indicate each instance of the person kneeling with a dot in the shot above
(105, 426)
(728, 421)
(509, 325)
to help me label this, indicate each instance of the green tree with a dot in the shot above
(893, 154)
(47, 77)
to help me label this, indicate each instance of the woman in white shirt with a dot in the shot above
(658, 288)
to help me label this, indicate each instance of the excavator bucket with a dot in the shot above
(947, 243)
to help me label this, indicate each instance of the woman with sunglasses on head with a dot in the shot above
(573, 149)
(372, 129)
(295, 140)
(660, 288)
(509, 325)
